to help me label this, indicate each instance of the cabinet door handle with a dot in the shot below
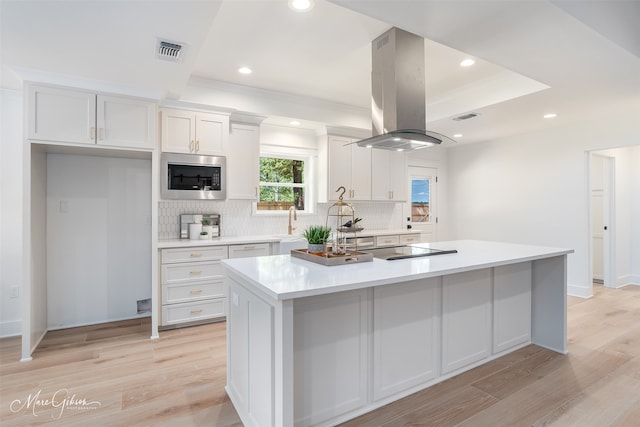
(196, 311)
(92, 132)
(101, 134)
(195, 255)
(197, 145)
(249, 247)
(191, 145)
(195, 272)
(196, 291)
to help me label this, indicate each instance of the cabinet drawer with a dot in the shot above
(387, 240)
(192, 292)
(406, 239)
(192, 311)
(249, 250)
(191, 271)
(200, 253)
(361, 242)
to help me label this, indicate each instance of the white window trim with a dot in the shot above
(310, 160)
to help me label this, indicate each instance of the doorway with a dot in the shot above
(421, 208)
(601, 191)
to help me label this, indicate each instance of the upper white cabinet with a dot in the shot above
(349, 166)
(83, 117)
(194, 132)
(243, 162)
(388, 175)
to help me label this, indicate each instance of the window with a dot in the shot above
(420, 199)
(282, 183)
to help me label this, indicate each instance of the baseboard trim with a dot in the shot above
(579, 291)
(98, 322)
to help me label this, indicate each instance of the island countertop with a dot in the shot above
(283, 277)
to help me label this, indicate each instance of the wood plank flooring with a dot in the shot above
(114, 375)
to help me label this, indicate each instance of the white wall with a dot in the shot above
(98, 238)
(11, 214)
(635, 214)
(533, 188)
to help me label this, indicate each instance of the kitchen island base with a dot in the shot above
(325, 358)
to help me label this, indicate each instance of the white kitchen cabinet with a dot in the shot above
(511, 306)
(466, 318)
(249, 250)
(393, 240)
(331, 334)
(192, 281)
(406, 335)
(388, 176)
(194, 132)
(349, 166)
(82, 117)
(243, 162)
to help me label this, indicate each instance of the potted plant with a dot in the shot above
(317, 236)
(204, 235)
(206, 226)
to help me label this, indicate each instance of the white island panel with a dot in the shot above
(406, 333)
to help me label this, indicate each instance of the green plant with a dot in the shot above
(206, 222)
(203, 233)
(317, 234)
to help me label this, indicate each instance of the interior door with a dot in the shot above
(421, 207)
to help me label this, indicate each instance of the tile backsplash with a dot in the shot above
(239, 219)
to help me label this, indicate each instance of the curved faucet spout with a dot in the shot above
(295, 217)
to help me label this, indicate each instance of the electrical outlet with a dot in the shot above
(15, 292)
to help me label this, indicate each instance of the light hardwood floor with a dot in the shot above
(179, 379)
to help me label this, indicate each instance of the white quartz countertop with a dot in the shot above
(217, 241)
(241, 240)
(283, 277)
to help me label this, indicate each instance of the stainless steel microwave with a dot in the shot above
(191, 176)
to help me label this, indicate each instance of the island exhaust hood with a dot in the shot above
(398, 94)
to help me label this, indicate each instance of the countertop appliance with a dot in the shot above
(191, 176)
(186, 219)
(402, 252)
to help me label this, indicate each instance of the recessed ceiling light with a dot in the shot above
(245, 70)
(457, 135)
(467, 62)
(294, 123)
(301, 5)
(368, 146)
(550, 115)
(400, 149)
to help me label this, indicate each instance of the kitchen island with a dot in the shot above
(314, 345)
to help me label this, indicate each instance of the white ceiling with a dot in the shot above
(579, 59)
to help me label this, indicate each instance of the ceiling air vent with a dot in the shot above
(169, 51)
(465, 117)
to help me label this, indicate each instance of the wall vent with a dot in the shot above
(169, 51)
(465, 117)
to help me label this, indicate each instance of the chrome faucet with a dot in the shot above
(295, 218)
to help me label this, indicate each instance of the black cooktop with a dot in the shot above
(403, 252)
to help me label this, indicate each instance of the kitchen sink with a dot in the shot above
(291, 241)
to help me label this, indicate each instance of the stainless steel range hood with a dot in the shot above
(398, 94)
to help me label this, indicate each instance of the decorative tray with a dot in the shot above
(330, 259)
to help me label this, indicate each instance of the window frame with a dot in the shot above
(309, 202)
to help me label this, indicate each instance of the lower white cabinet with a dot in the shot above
(330, 332)
(511, 306)
(249, 250)
(192, 281)
(466, 318)
(406, 334)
